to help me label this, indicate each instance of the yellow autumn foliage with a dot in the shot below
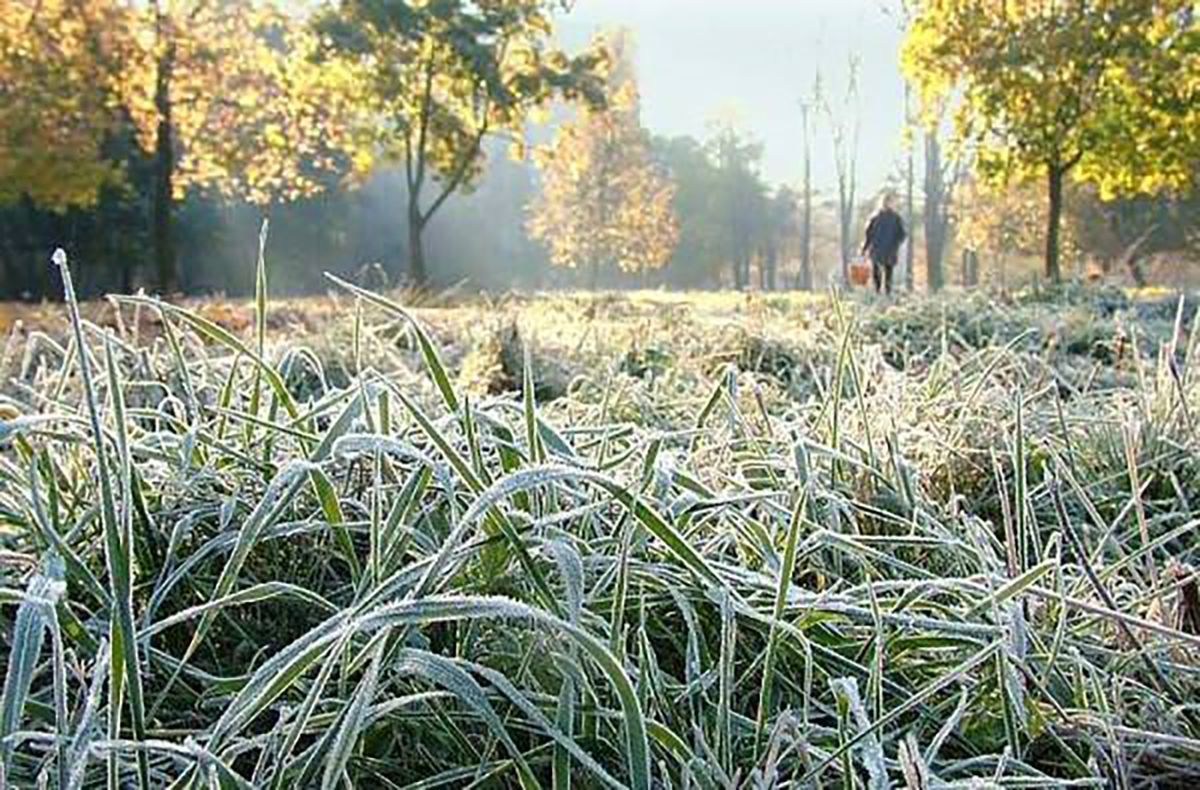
(604, 201)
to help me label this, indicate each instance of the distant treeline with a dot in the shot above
(727, 222)
(391, 143)
(358, 233)
(728, 218)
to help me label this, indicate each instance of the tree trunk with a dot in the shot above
(935, 213)
(934, 252)
(910, 249)
(806, 278)
(970, 268)
(125, 274)
(416, 245)
(845, 218)
(910, 212)
(41, 280)
(770, 266)
(1132, 257)
(1054, 223)
(1134, 265)
(10, 290)
(806, 274)
(164, 175)
(14, 279)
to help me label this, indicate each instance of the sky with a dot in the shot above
(753, 60)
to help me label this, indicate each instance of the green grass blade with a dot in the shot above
(433, 359)
(28, 635)
(117, 553)
(219, 334)
(786, 569)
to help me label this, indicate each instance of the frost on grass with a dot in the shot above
(375, 579)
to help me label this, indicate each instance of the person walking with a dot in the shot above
(885, 233)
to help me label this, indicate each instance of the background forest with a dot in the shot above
(151, 140)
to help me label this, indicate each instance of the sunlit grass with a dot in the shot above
(704, 540)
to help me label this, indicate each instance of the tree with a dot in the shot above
(55, 111)
(222, 95)
(57, 128)
(1102, 90)
(1124, 232)
(741, 195)
(1117, 233)
(698, 206)
(910, 177)
(442, 75)
(902, 11)
(779, 229)
(229, 96)
(605, 202)
(936, 212)
(1004, 222)
(806, 216)
(941, 178)
(844, 127)
(726, 218)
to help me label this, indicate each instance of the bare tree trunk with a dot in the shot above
(806, 269)
(846, 189)
(936, 213)
(1132, 257)
(806, 274)
(844, 230)
(741, 262)
(1134, 266)
(164, 175)
(910, 210)
(40, 279)
(970, 268)
(10, 289)
(416, 244)
(845, 154)
(15, 282)
(1054, 223)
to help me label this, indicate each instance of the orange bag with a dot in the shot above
(860, 272)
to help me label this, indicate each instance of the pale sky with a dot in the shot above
(699, 59)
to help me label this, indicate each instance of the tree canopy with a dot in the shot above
(224, 96)
(441, 76)
(56, 97)
(605, 202)
(1103, 90)
(150, 137)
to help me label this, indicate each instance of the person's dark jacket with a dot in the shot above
(885, 234)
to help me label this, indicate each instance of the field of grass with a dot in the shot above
(643, 540)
